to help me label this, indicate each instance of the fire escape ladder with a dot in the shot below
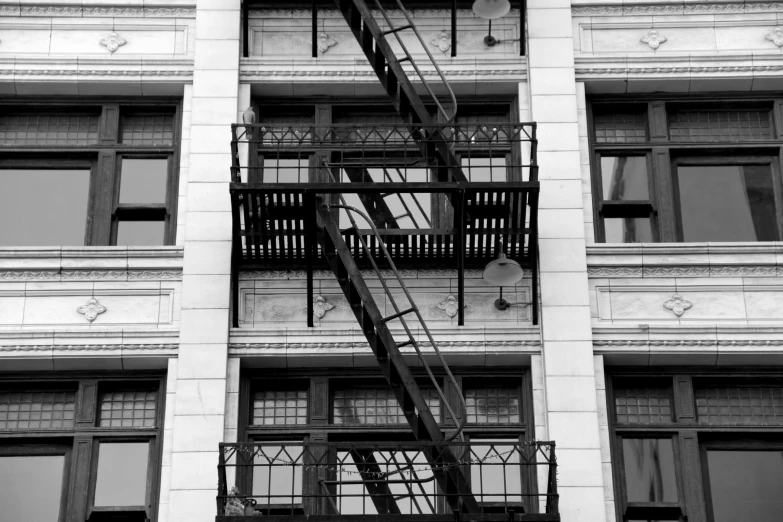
(446, 466)
(430, 137)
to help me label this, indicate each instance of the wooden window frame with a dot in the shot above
(690, 437)
(106, 156)
(81, 441)
(665, 153)
(320, 426)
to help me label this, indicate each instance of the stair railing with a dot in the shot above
(448, 118)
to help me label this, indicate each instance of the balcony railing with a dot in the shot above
(325, 481)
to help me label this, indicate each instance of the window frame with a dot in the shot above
(83, 438)
(320, 426)
(689, 435)
(664, 151)
(107, 152)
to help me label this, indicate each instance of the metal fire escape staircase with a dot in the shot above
(321, 227)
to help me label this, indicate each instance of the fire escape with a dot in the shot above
(361, 214)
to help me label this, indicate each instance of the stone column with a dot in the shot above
(569, 380)
(199, 412)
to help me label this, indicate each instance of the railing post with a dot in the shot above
(552, 497)
(222, 492)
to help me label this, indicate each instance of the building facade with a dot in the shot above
(192, 325)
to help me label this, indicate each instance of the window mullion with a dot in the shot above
(103, 200)
(81, 470)
(690, 477)
(86, 407)
(662, 173)
(110, 122)
(658, 126)
(683, 399)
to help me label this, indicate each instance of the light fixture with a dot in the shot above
(503, 272)
(491, 9)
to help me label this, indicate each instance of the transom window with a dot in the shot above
(102, 174)
(693, 171)
(80, 449)
(685, 444)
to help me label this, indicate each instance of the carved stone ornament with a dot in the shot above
(113, 41)
(325, 42)
(443, 42)
(677, 304)
(321, 306)
(776, 36)
(91, 310)
(450, 306)
(653, 38)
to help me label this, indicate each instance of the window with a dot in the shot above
(331, 444)
(694, 171)
(80, 448)
(88, 174)
(705, 443)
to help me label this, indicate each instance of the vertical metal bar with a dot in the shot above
(459, 215)
(222, 487)
(245, 28)
(453, 28)
(310, 224)
(315, 30)
(522, 31)
(236, 245)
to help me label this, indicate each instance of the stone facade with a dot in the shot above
(167, 308)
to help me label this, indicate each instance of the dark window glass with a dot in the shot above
(151, 129)
(492, 405)
(285, 170)
(49, 129)
(723, 125)
(36, 410)
(484, 169)
(620, 128)
(727, 203)
(140, 233)
(624, 177)
(739, 405)
(277, 474)
(494, 471)
(280, 407)
(122, 474)
(646, 405)
(43, 207)
(376, 406)
(134, 408)
(143, 180)
(31, 488)
(628, 230)
(746, 485)
(354, 498)
(649, 470)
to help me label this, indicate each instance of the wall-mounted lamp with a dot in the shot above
(503, 272)
(492, 10)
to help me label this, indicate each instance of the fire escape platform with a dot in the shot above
(482, 517)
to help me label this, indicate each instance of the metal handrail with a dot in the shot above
(448, 118)
(460, 424)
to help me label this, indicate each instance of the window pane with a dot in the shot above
(376, 406)
(746, 485)
(277, 474)
(484, 169)
(280, 407)
(49, 129)
(285, 170)
(140, 233)
(649, 470)
(646, 405)
(620, 127)
(151, 129)
(144, 180)
(31, 488)
(727, 203)
(494, 471)
(122, 474)
(739, 405)
(492, 405)
(25, 410)
(628, 230)
(722, 125)
(130, 408)
(624, 177)
(43, 207)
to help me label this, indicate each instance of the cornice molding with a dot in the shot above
(327, 274)
(684, 271)
(393, 13)
(98, 11)
(678, 9)
(620, 343)
(102, 275)
(353, 345)
(89, 347)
